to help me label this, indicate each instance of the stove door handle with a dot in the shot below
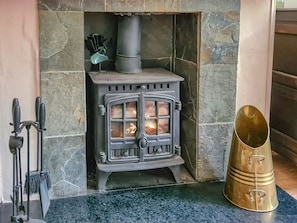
(142, 142)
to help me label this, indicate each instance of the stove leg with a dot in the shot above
(176, 172)
(101, 179)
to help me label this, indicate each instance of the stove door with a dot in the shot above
(158, 118)
(122, 121)
(140, 126)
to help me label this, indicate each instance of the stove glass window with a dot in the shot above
(150, 109)
(131, 110)
(117, 111)
(157, 117)
(116, 129)
(151, 126)
(123, 120)
(163, 126)
(163, 108)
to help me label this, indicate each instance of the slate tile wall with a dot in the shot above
(200, 43)
(63, 92)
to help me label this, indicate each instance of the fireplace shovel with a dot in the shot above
(39, 179)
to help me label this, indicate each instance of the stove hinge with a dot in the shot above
(177, 150)
(178, 105)
(101, 110)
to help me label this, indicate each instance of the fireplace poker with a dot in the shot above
(15, 145)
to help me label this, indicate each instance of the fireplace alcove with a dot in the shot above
(195, 40)
(155, 85)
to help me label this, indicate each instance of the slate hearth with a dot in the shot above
(197, 202)
(195, 39)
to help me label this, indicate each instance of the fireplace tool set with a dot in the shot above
(37, 181)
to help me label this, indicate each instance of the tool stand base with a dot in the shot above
(18, 218)
(23, 218)
(36, 221)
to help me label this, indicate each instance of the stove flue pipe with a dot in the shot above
(128, 58)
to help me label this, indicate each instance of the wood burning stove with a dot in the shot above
(134, 121)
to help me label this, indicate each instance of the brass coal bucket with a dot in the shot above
(250, 182)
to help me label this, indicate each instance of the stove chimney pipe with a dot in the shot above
(128, 44)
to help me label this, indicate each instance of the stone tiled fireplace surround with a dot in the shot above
(196, 39)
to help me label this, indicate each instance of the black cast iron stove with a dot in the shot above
(135, 122)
